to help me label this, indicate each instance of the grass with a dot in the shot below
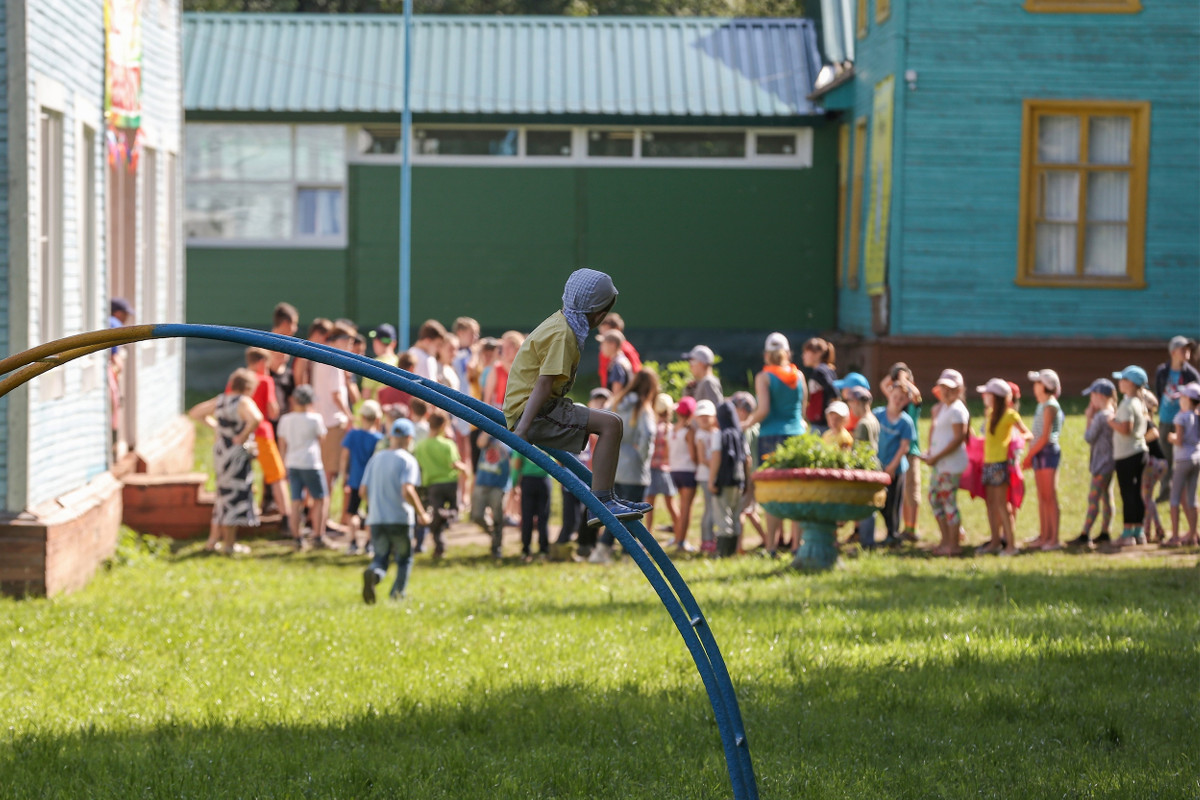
(180, 675)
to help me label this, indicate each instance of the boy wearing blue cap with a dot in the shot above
(536, 405)
(1130, 451)
(1099, 436)
(389, 488)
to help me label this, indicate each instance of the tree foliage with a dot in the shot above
(577, 8)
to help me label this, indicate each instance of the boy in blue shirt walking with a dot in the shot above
(389, 488)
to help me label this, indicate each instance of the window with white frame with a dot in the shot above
(266, 182)
(596, 146)
(149, 288)
(89, 235)
(50, 238)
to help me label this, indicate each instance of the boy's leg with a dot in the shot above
(401, 545)
(528, 510)
(494, 499)
(543, 515)
(478, 504)
(572, 509)
(373, 574)
(608, 427)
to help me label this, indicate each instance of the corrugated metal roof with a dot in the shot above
(618, 66)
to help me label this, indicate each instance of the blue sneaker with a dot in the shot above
(644, 508)
(619, 510)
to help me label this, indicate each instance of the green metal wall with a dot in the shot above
(721, 249)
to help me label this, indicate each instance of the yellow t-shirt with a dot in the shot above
(843, 439)
(370, 386)
(995, 445)
(550, 350)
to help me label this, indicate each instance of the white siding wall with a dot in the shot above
(64, 39)
(160, 384)
(69, 436)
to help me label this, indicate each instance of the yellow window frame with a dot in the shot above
(860, 19)
(1083, 6)
(856, 200)
(1138, 168)
(843, 179)
(883, 10)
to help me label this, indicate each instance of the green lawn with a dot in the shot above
(180, 675)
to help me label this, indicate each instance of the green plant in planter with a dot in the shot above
(808, 451)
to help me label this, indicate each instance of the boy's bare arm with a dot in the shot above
(410, 492)
(542, 388)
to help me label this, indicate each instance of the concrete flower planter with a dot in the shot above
(820, 498)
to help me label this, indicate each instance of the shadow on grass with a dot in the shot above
(1045, 729)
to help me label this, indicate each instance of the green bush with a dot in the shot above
(675, 377)
(808, 451)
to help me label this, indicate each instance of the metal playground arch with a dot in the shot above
(563, 467)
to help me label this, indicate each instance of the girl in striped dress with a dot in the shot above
(236, 417)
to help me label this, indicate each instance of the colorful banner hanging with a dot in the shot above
(123, 63)
(880, 207)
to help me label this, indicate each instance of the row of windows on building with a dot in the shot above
(57, 195)
(281, 182)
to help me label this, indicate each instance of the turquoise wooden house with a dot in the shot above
(1018, 181)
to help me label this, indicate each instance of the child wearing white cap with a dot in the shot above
(836, 434)
(1044, 455)
(946, 455)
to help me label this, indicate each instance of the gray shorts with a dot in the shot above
(661, 483)
(1184, 479)
(561, 424)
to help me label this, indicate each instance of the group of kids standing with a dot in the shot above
(414, 467)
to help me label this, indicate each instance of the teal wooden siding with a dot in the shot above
(878, 55)
(956, 202)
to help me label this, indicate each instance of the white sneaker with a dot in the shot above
(601, 554)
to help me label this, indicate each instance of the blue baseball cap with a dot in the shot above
(385, 333)
(1102, 385)
(852, 379)
(403, 427)
(1134, 374)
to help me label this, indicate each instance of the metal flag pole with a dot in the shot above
(406, 185)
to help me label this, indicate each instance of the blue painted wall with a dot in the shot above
(958, 154)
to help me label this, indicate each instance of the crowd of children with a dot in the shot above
(652, 452)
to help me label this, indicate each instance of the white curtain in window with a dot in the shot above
(1058, 139)
(1056, 234)
(1109, 140)
(319, 212)
(1105, 247)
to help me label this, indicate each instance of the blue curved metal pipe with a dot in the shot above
(683, 609)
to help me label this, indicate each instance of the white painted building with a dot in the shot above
(76, 229)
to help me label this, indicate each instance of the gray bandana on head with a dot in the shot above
(587, 291)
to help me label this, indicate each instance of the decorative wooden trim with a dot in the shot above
(860, 19)
(1083, 6)
(1138, 170)
(883, 11)
(843, 180)
(856, 202)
